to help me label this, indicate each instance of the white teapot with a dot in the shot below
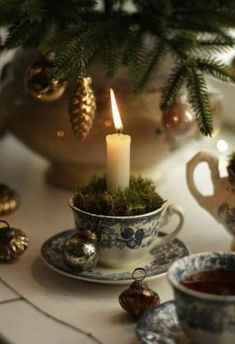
(222, 203)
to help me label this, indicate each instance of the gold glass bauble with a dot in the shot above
(9, 200)
(13, 242)
(39, 83)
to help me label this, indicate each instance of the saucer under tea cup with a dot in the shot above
(204, 317)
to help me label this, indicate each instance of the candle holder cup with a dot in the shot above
(124, 240)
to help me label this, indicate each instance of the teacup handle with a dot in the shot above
(212, 162)
(171, 209)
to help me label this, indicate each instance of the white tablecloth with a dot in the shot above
(92, 311)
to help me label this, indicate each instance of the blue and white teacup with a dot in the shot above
(205, 318)
(124, 240)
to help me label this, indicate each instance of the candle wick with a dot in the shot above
(119, 131)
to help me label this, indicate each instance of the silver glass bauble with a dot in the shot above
(80, 252)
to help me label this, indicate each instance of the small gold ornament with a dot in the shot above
(39, 84)
(138, 298)
(13, 243)
(9, 200)
(82, 107)
(80, 250)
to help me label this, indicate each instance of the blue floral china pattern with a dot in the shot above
(160, 325)
(123, 240)
(156, 262)
(120, 231)
(204, 317)
(227, 215)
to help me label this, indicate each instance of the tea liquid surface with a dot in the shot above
(219, 282)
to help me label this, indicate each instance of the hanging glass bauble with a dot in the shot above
(138, 297)
(80, 250)
(178, 121)
(39, 83)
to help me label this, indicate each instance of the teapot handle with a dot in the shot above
(212, 162)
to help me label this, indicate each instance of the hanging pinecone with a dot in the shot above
(39, 83)
(82, 107)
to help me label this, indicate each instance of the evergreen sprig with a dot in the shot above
(198, 96)
(172, 86)
(78, 31)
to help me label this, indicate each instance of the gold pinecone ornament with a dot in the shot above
(82, 108)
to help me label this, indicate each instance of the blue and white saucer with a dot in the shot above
(156, 262)
(160, 325)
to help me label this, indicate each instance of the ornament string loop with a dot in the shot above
(5, 222)
(139, 274)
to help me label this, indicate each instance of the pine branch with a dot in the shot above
(31, 9)
(21, 33)
(112, 50)
(66, 65)
(76, 55)
(76, 31)
(213, 45)
(108, 5)
(172, 86)
(112, 58)
(134, 54)
(9, 10)
(215, 68)
(199, 99)
(154, 59)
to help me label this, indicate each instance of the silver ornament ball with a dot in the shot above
(80, 253)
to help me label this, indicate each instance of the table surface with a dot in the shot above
(38, 305)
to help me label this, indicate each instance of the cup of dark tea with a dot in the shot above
(204, 289)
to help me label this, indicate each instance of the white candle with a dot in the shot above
(118, 153)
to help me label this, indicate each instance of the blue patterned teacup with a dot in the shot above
(123, 240)
(205, 318)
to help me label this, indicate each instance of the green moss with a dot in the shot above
(139, 198)
(231, 162)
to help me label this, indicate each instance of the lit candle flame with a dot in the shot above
(116, 115)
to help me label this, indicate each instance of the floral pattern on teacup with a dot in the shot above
(114, 232)
(227, 215)
(131, 238)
